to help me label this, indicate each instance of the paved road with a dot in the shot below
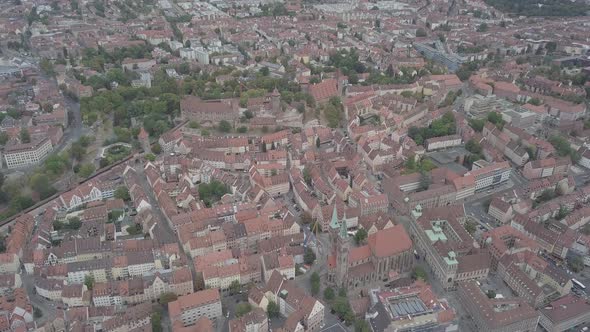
(46, 306)
(166, 234)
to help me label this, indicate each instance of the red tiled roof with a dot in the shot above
(390, 241)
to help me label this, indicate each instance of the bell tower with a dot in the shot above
(275, 99)
(342, 252)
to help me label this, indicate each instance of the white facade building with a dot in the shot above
(20, 155)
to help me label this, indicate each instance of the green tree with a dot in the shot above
(234, 287)
(157, 149)
(20, 202)
(477, 124)
(37, 313)
(425, 181)
(194, 125)
(150, 157)
(40, 183)
(360, 236)
(86, 170)
(309, 256)
(77, 151)
(224, 126)
(243, 308)
(563, 148)
(134, 229)
(531, 151)
(473, 146)
(264, 71)
(25, 136)
(157, 321)
(342, 292)
(122, 193)
(491, 294)
(420, 32)
(315, 283)
(470, 227)
(89, 281)
(419, 274)
(361, 325)
(272, 309)
(342, 309)
(329, 294)
(212, 192)
(305, 218)
(242, 129)
(482, 27)
(535, 101)
(496, 118)
(74, 223)
(167, 297)
(562, 213)
(307, 175)
(575, 263)
(3, 138)
(546, 195)
(47, 67)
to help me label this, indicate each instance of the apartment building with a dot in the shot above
(254, 321)
(564, 314)
(9, 263)
(491, 175)
(193, 108)
(189, 308)
(500, 210)
(506, 240)
(77, 271)
(20, 155)
(49, 288)
(496, 315)
(543, 168)
(302, 312)
(9, 282)
(443, 142)
(135, 318)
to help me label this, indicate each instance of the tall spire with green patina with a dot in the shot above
(343, 228)
(334, 224)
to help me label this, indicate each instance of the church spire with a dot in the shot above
(343, 228)
(334, 224)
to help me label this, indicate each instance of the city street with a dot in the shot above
(47, 307)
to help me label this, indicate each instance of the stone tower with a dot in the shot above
(275, 99)
(144, 140)
(341, 246)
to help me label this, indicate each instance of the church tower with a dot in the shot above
(275, 99)
(144, 140)
(341, 247)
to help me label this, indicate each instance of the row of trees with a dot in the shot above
(97, 58)
(549, 7)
